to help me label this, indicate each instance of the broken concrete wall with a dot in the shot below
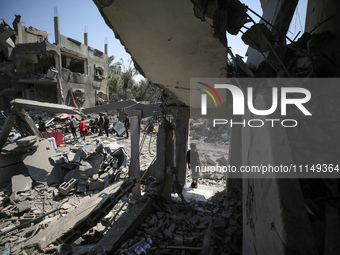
(10, 165)
(29, 35)
(323, 17)
(80, 67)
(279, 14)
(275, 220)
(79, 64)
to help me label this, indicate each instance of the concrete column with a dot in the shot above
(235, 156)
(134, 163)
(121, 114)
(57, 63)
(181, 137)
(138, 113)
(106, 49)
(86, 41)
(56, 30)
(160, 162)
(19, 35)
(169, 156)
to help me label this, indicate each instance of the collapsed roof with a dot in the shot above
(171, 45)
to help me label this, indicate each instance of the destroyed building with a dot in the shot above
(178, 40)
(65, 72)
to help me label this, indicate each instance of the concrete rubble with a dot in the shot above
(76, 199)
(80, 190)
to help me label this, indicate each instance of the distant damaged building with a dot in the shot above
(65, 72)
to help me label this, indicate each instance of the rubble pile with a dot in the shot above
(78, 195)
(227, 222)
(202, 129)
(51, 184)
(178, 228)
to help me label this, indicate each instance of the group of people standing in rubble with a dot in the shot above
(100, 125)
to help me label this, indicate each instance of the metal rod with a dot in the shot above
(29, 222)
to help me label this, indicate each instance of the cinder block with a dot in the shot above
(29, 216)
(66, 187)
(8, 211)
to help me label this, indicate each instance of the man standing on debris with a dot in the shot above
(67, 124)
(127, 125)
(101, 122)
(106, 125)
(42, 126)
(82, 128)
(73, 126)
(193, 160)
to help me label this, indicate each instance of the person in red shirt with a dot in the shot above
(82, 128)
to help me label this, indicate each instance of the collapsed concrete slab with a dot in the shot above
(106, 145)
(124, 227)
(169, 55)
(87, 167)
(27, 141)
(40, 106)
(11, 165)
(147, 110)
(21, 183)
(85, 216)
(38, 164)
(109, 107)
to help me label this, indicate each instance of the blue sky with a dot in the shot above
(78, 16)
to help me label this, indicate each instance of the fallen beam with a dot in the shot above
(40, 106)
(29, 222)
(207, 240)
(109, 107)
(82, 218)
(9, 122)
(124, 227)
(148, 110)
(25, 123)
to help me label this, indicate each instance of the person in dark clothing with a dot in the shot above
(106, 125)
(101, 123)
(194, 162)
(127, 125)
(42, 126)
(93, 126)
(73, 126)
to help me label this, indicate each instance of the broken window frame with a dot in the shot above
(65, 56)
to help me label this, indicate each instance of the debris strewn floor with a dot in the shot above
(60, 197)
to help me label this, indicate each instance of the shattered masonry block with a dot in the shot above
(29, 216)
(66, 187)
(78, 221)
(96, 185)
(82, 184)
(8, 211)
(81, 187)
(23, 206)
